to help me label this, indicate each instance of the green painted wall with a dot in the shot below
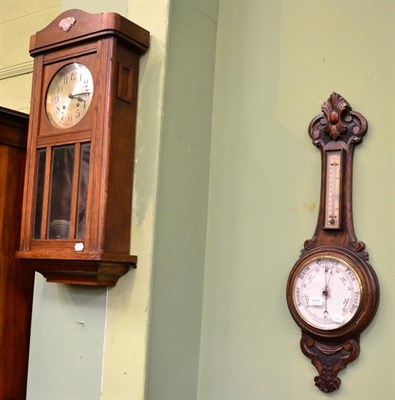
(128, 307)
(276, 62)
(220, 216)
(66, 344)
(180, 234)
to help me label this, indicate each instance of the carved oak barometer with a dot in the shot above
(332, 290)
(80, 155)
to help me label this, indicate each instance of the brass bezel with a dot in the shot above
(367, 303)
(310, 260)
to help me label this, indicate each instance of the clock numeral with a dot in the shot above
(69, 95)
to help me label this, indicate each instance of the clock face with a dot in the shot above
(326, 292)
(69, 95)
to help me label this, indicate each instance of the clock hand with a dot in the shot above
(76, 96)
(79, 94)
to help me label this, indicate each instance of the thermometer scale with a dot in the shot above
(334, 171)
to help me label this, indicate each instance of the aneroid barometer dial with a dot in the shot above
(327, 292)
(332, 290)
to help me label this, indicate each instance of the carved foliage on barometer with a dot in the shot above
(338, 122)
(329, 358)
(333, 109)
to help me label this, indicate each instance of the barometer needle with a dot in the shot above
(326, 290)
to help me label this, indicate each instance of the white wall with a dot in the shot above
(18, 21)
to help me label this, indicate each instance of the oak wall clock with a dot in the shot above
(80, 156)
(332, 290)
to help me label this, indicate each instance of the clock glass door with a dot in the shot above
(83, 178)
(61, 192)
(61, 189)
(38, 215)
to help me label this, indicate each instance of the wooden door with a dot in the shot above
(16, 284)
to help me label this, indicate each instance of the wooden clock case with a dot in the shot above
(111, 47)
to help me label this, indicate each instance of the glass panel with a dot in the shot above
(62, 169)
(40, 173)
(83, 190)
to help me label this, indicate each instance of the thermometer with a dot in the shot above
(333, 190)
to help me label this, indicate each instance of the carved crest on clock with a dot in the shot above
(67, 23)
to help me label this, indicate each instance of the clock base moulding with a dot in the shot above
(100, 272)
